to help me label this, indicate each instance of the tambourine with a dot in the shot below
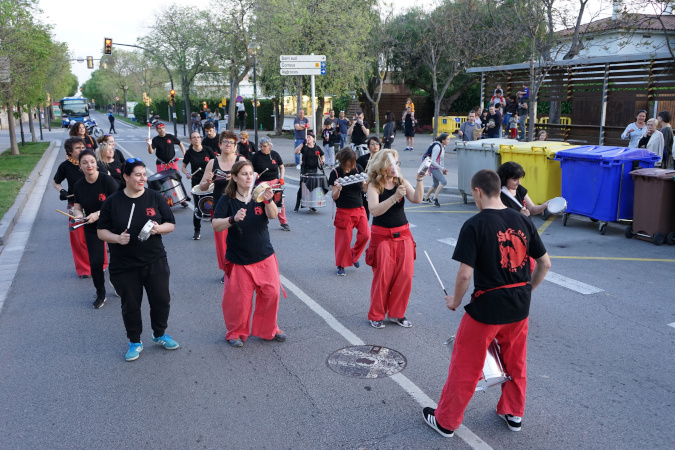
(557, 205)
(352, 179)
(145, 232)
(260, 189)
(424, 167)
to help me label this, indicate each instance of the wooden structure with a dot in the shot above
(605, 92)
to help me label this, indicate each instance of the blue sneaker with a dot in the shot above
(134, 351)
(341, 271)
(165, 340)
(357, 264)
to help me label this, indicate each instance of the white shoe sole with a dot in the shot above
(431, 421)
(503, 416)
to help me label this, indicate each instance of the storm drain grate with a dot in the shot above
(366, 361)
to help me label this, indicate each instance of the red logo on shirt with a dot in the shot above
(150, 212)
(274, 162)
(168, 141)
(206, 158)
(101, 197)
(258, 210)
(513, 248)
(119, 171)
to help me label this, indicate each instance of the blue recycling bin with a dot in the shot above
(596, 181)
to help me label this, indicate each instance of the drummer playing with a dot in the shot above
(312, 160)
(499, 305)
(510, 174)
(163, 144)
(198, 157)
(270, 167)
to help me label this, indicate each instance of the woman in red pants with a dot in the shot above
(251, 265)
(391, 252)
(350, 212)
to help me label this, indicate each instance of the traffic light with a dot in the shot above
(172, 95)
(107, 46)
(90, 62)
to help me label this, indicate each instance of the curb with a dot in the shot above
(12, 215)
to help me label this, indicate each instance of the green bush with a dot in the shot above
(139, 113)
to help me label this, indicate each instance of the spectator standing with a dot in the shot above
(467, 131)
(510, 108)
(494, 123)
(652, 140)
(327, 135)
(358, 130)
(389, 132)
(111, 118)
(409, 123)
(300, 124)
(667, 131)
(513, 126)
(241, 113)
(635, 130)
(542, 136)
(523, 109)
(203, 115)
(216, 119)
(343, 127)
(477, 111)
(335, 135)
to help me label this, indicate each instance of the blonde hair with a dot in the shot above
(378, 169)
(243, 135)
(99, 156)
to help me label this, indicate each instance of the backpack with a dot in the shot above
(430, 150)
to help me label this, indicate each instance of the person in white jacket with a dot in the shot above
(437, 169)
(653, 140)
(635, 130)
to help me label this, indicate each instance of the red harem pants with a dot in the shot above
(220, 237)
(346, 219)
(391, 254)
(79, 247)
(261, 278)
(162, 167)
(466, 367)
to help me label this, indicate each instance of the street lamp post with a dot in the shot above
(253, 51)
(125, 88)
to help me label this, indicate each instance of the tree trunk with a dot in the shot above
(233, 101)
(279, 113)
(298, 98)
(31, 126)
(12, 130)
(318, 116)
(376, 106)
(23, 137)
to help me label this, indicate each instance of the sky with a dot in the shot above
(84, 24)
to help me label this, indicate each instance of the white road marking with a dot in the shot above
(553, 277)
(411, 225)
(672, 324)
(404, 382)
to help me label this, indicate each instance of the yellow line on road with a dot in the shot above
(546, 224)
(610, 258)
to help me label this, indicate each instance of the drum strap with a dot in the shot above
(506, 286)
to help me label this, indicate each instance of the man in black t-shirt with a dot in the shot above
(163, 144)
(493, 123)
(495, 246)
(358, 130)
(211, 139)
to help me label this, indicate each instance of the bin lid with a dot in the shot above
(662, 174)
(548, 149)
(606, 153)
(491, 144)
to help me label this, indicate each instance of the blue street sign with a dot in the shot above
(323, 65)
(323, 71)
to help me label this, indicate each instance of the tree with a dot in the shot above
(442, 43)
(180, 39)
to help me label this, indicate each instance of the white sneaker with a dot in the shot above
(297, 167)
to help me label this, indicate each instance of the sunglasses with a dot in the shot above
(134, 160)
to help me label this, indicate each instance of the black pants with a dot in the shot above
(96, 250)
(196, 217)
(129, 285)
(112, 128)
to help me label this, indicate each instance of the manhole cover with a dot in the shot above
(366, 361)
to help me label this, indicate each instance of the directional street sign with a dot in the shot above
(302, 65)
(302, 58)
(302, 71)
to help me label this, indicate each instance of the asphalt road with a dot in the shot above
(600, 364)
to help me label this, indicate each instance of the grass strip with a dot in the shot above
(15, 169)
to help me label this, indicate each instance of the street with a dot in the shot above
(600, 360)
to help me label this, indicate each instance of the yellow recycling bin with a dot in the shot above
(542, 172)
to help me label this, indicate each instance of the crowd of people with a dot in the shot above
(108, 195)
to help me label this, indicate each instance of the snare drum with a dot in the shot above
(314, 189)
(203, 201)
(493, 369)
(167, 183)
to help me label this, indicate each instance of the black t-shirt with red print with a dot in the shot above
(248, 241)
(72, 173)
(164, 148)
(198, 160)
(115, 217)
(350, 195)
(92, 195)
(310, 159)
(271, 162)
(498, 244)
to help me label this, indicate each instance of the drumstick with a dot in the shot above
(149, 126)
(193, 173)
(248, 196)
(393, 164)
(258, 177)
(66, 214)
(506, 192)
(439, 278)
(75, 227)
(133, 205)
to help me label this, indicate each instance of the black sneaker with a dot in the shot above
(100, 301)
(196, 236)
(513, 422)
(85, 276)
(430, 419)
(436, 203)
(405, 323)
(285, 227)
(428, 200)
(222, 280)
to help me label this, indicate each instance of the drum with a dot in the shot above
(203, 202)
(493, 369)
(557, 205)
(314, 189)
(167, 183)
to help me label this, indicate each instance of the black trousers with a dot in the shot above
(112, 128)
(129, 285)
(96, 250)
